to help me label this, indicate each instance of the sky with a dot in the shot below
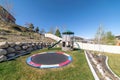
(83, 17)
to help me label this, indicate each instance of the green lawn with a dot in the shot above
(19, 70)
(114, 62)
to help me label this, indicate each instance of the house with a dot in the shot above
(6, 16)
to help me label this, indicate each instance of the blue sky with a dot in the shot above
(83, 17)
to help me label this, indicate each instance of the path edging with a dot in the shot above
(110, 68)
(91, 68)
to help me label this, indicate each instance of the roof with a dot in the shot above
(68, 32)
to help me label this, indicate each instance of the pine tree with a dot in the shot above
(57, 33)
(37, 29)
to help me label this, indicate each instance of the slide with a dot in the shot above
(54, 44)
(78, 46)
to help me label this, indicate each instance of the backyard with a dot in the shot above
(113, 62)
(18, 69)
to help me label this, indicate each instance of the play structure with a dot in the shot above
(49, 60)
(54, 44)
(67, 40)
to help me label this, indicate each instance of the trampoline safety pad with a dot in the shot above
(49, 60)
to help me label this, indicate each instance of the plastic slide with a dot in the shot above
(54, 44)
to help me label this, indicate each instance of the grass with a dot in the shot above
(19, 70)
(114, 62)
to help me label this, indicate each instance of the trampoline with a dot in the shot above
(49, 60)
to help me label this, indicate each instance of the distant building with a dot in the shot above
(78, 39)
(118, 40)
(6, 16)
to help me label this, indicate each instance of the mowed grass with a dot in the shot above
(18, 69)
(114, 62)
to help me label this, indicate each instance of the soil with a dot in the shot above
(100, 59)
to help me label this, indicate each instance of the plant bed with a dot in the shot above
(98, 62)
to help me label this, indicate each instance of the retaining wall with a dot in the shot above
(11, 49)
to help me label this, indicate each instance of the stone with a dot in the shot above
(3, 44)
(24, 47)
(3, 58)
(11, 44)
(20, 52)
(10, 50)
(35, 47)
(29, 49)
(11, 54)
(3, 52)
(19, 43)
(39, 47)
(17, 48)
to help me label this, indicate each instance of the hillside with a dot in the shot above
(14, 33)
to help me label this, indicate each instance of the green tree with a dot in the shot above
(57, 33)
(103, 37)
(37, 29)
(110, 38)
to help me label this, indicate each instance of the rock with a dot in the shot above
(19, 43)
(3, 52)
(39, 47)
(3, 58)
(29, 49)
(24, 47)
(17, 48)
(21, 52)
(11, 54)
(3, 44)
(10, 50)
(11, 44)
(35, 47)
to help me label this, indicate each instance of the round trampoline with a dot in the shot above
(49, 60)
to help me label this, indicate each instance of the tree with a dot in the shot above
(57, 33)
(42, 31)
(103, 37)
(37, 29)
(52, 30)
(110, 38)
(31, 27)
(100, 35)
(8, 6)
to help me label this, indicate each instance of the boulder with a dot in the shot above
(21, 52)
(19, 43)
(3, 52)
(35, 47)
(11, 44)
(3, 44)
(17, 48)
(24, 47)
(11, 54)
(3, 58)
(10, 50)
(29, 49)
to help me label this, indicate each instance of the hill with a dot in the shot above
(15, 33)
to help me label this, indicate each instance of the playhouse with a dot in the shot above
(67, 40)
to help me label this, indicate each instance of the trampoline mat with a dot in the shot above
(49, 58)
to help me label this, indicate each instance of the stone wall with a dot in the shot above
(9, 50)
